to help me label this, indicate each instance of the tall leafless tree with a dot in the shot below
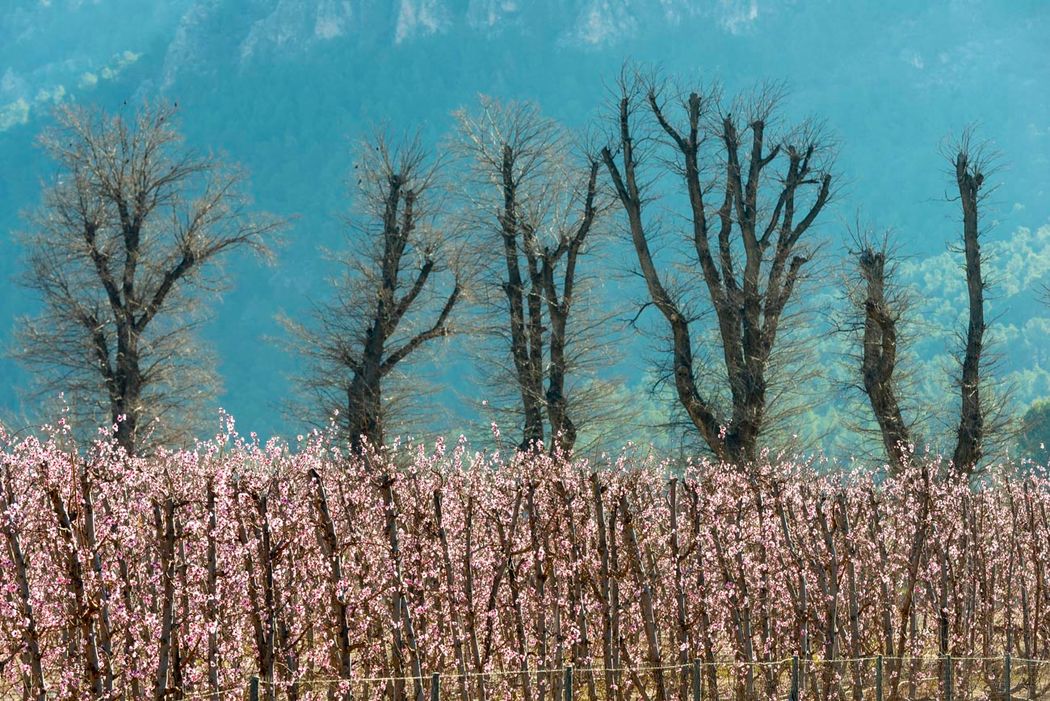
(758, 215)
(120, 249)
(881, 319)
(882, 306)
(970, 166)
(544, 207)
(403, 280)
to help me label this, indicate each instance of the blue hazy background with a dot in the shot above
(284, 87)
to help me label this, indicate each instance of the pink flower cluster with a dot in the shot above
(185, 573)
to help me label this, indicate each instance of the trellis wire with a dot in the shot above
(695, 666)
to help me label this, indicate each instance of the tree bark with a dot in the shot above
(969, 442)
(880, 359)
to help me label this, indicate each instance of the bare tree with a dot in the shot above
(403, 280)
(123, 243)
(882, 314)
(970, 165)
(544, 206)
(758, 223)
(882, 306)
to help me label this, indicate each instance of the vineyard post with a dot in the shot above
(948, 691)
(253, 688)
(435, 686)
(1007, 682)
(878, 678)
(698, 692)
(568, 683)
(794, 678)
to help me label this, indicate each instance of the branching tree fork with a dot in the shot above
(122, 239)
(544, 208)
(389, 305)
(751, 273)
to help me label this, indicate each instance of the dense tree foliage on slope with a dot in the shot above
(1034, 441)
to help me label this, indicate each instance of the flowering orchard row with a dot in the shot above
(185, 573)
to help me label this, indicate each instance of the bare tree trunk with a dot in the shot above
(577, 604)
(81, 604)
(563, 428)
(609, 640)
(400, 614)
(125, 403)
(211, 590)
(853, 599)
(539, 581)
(830, 585)
(506, 540)
(87, 503)
(468, 585)
(127, 599)
(969, 443)
(363, 421)
(37, 688)
(453, 613)
(906, 610)
(652, 634)
(164, 522)
(748, 308)
(260, 617)
(619, 651)
(329, 542)
(682, 631)
(880, 360)
(740, 610)
(523, 330)
(711, 669)
(184, 654)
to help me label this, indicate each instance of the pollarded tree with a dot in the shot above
(542, 208)
(122, 246)
(882, 314)
(969, 166)
(753, 195)
(404, 279)
(879, 307)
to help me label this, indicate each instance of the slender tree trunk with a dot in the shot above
(87, 504)
(400, 614)
(164, 521)
(329, 542)
(652, 633)
(683, 640)
(453, 613)
(539, 580)
(211, 591)
(610, 638)
(468, 585)
(969, 444)
(90, 654)
(879, 361)
(37, 688)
